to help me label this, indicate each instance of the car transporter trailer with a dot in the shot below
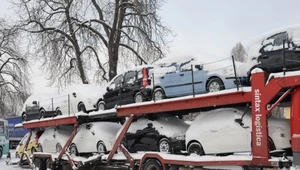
(260, 96)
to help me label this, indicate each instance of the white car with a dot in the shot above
(36, 105)
(79, 97)
(96, 137)
(54, 138)
(217, 132)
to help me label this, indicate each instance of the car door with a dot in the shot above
(129, 87)
(164, 77)
(271, 57)
(112, 97)
(49, 143)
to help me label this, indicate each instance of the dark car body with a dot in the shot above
(146, 134)
(277, 50)
(124, 87)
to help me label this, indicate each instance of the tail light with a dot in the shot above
(145, 77)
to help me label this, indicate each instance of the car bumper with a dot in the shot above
(177, 145)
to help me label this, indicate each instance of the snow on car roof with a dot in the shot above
(89, 90)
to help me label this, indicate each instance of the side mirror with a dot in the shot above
(199, 67)
(239, 121)
(107, 89)
(34, 102)
(74, 94)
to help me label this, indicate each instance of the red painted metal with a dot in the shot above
(24, 152)
(120, 138)
(279, 100)
(68, 143)
(187, 103)
(295, 120)
(50, 122)
(127, 155)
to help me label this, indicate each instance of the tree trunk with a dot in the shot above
(113, 61)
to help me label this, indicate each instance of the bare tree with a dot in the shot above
(13, 71)
(239, 52)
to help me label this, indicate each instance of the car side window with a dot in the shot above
(118, 81)
(186, 66)
(130, 77)
(275, 42)
(171, 68)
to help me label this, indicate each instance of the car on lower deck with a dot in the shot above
(32, 144)
(188, 75)
(126, 88)
(228, 130)
(94, 137)
(161, 133)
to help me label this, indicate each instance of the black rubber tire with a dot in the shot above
(81, 107)
(74, 148)
(1, 152)
(102, 104)
(33, 150)
(195, 148)
(215, 80)
(139, 94)
(158, 90)
(166, 141)
(42, 113)
(24, 117)
(152, 164)
(58, 112)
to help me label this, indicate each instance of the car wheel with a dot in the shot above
(24, 117)
(164, 145)
(1, 152)
(42, 113)
(195, 148)
(40, 148)
(152, 164)
(101, 105)
(159, 94)
(33, 150)
(58, 112)
(214, 85)
(139, 97)
(101, 148)
(73, 150)
(81, 107)
(58, 148)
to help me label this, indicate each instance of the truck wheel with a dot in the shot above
(1, 152)
(139, 97)
(152, 164)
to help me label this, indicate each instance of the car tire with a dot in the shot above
(164, 145)
(58, 112)
(139, 97)
(101, 105)
(24, 117)
(159, 94)
(40, 147)
(215, 85)
(33, 150)
(73, 150)
(1, 152)
(81, 107)
(196, 148)
(42, 113)
(152, 164)
(101, 148)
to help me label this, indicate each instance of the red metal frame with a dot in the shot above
(295, 121)
(50, 122)
(25, 149)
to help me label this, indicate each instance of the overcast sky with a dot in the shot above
(215, 26)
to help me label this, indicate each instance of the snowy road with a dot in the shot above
(3, 165)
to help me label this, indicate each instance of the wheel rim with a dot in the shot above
(101, 106)
(164, 146)
(158, 95)
(214, 87)
(40, 148)
(101, 148)
(138, 98)
(42, 113)
(58, 112)
(58, 148)
(195, 151)
(73, 150)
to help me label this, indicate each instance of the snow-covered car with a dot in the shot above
(37, 106)
(76, 98)
(32, 145)
(96, 137)
(175, 76)
(162, 133)
(266, 50)
(228, 130)
(54, 138)
(126, 88)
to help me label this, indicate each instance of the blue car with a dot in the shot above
(174, 77)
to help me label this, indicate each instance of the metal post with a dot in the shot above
(283, 56)
(69, 104)
(193, 83)
(153, 87)
(52, 104)
(234, 69)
